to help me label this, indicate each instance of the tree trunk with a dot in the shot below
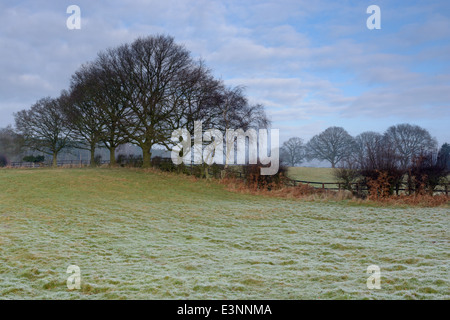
(410, 183)
(54, 162)
(206, 171)
(203, 170)
(112, 156)
(146, 157)
(93, 164)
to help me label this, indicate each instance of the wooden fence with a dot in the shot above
(358, 187)
(59, 163)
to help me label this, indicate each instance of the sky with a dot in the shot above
(312, 64)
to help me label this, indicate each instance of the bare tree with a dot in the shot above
(107, 96)
(293, 151)
(86, 110)
(235, 112)
(374, 163)
(154, 81)
(333, 145)
(44, 127)
(202, 103)
(427, 172)
(444, 156)
(409, 141)
(367, 144)
(143, 91)
(163, 89)
(221, 108)
(382, 160)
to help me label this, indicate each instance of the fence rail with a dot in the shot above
(59, 163)
(358, 186)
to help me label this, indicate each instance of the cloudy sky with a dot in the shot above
(313, 64)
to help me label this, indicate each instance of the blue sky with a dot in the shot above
(313, 64)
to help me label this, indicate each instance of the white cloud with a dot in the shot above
(411, 103)
(30, 81)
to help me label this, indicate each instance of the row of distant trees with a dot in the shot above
(404, 153)
(135, 93)
(336, 146)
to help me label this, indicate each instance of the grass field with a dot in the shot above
(146, 235)
(311, 174)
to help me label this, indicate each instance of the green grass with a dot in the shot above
(144, 235)
(311, 174)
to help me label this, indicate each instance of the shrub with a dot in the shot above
(347, 177)
(98, 160)
(34, 159)
(426, 173)
(129, 160)
(381, 186)
(216, 169)
(254, 180)
(163, 164)
(3, 160)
